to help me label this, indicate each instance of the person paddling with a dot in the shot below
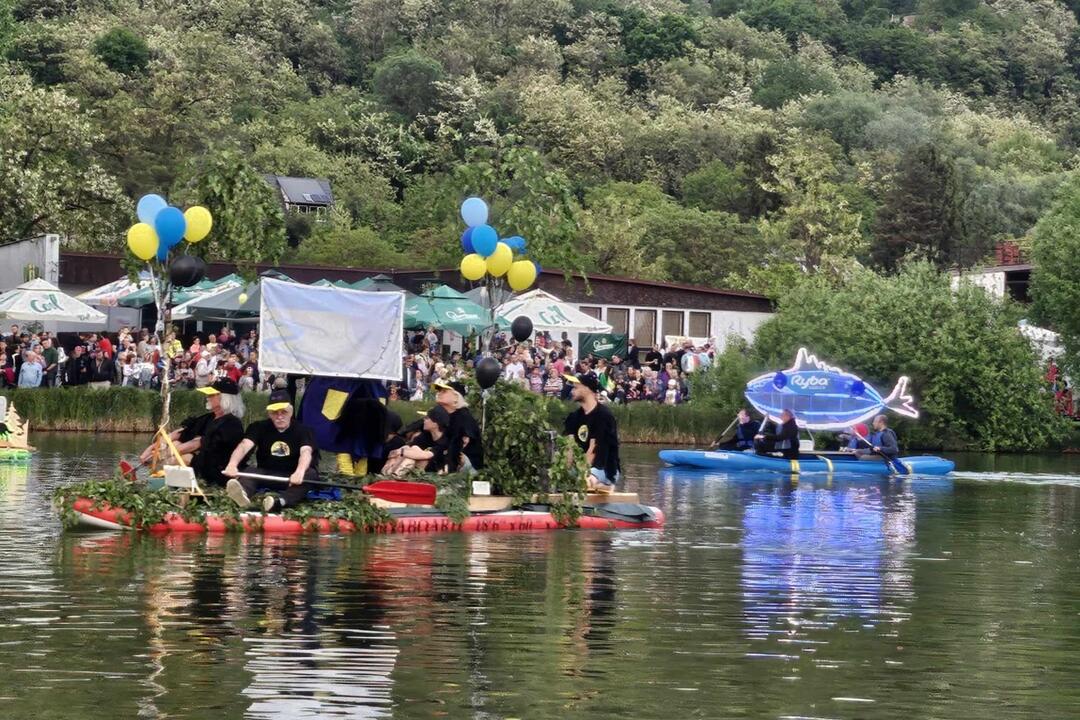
(785, 439)
(745, 430)
(206, 441)
(284, 448)
(882, 442)
(594, 429)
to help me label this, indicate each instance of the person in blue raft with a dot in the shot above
(783, 440)
(743, 439)
(881, 443)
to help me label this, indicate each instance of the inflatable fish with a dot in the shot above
(824, 397)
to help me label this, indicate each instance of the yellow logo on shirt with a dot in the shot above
(280, 449)
(583, 433)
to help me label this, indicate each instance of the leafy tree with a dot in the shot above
(40, 54)
(123, 51)
(816, 222)
(716, 186)
(892, 50)
(972, 373)
(407, 82)
(249, 223)
(333, 243)
(50, 182)
(919, 216)
(789, 79)
(1055, 282)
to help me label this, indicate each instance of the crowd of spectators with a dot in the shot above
(650, 375)
(135, 359)
(36, 359)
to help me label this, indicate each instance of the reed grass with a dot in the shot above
(119, 409)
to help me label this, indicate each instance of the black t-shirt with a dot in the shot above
(425, 441)
(463, 425)
(653, 359)
(278, 453)
(220, 436)
(598, 425)
(195, 426)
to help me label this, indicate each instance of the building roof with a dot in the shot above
(302, 191)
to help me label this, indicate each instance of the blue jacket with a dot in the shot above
(886, 440)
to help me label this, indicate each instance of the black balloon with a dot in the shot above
(521, 328)
(186, 270)
(488, 371)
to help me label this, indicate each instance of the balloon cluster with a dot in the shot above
(162, 227)
(486, 254)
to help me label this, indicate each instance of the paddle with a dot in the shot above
(726, 430)
(128, 470)
(890, 463)
(409, 493)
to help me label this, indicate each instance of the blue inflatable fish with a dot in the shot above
(824, 397)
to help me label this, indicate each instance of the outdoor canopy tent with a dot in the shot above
(379, 283)
(145, 296)
(226, 304)
(42, 301)
(110, 294)
(549, 313)
(446, 309)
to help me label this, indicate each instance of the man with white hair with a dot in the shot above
(209, 439)
(284, 448)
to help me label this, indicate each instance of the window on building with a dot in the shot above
(591, 311)
(644, 327)
(619, 320)
(673, 322)
(700, 324)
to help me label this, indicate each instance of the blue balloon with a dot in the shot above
(516, 242)
(779, 380)
(162, 252)
(474, 212)
(466, 241)
(170, 226)
(858, 388)
(149, 206)
(538, 268)
(484, 240)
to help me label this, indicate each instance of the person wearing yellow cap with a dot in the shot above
(206, 441)
(595, 431)
(283, 447)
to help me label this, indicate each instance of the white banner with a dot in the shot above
(330, 331)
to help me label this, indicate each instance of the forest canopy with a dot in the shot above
(737, 143)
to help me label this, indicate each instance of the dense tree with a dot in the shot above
(123, 51)
(407, 82)
(1055, 286)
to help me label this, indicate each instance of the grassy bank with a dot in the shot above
(131, 410)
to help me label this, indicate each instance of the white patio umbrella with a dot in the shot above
(42, 301)
(549, 313)
(110, 294)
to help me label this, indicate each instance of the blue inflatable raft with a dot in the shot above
(807, 463)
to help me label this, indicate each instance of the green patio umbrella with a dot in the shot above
(379, 283)
(226, 305)
(446, 309)
(331, 283)
(145, 296)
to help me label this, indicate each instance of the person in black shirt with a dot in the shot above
(654, 359)
(394, 441)
(427, 450)
(784, 439)
(206, 441)
(466, 447)
(743, 439)
(283, 448)
(594, 429)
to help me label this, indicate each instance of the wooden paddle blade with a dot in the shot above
(410, 493)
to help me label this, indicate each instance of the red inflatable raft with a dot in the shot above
(405, 520)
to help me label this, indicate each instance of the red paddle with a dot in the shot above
(409, 493)
(127, 470)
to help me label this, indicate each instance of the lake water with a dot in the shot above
(762, 598)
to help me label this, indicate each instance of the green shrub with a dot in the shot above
(123, 51)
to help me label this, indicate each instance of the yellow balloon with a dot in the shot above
(499, 261)
(242, 298)
(521, 275)
(142, 241)
(473, 267)
(199, 222)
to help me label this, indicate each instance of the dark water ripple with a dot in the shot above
(763, 598)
